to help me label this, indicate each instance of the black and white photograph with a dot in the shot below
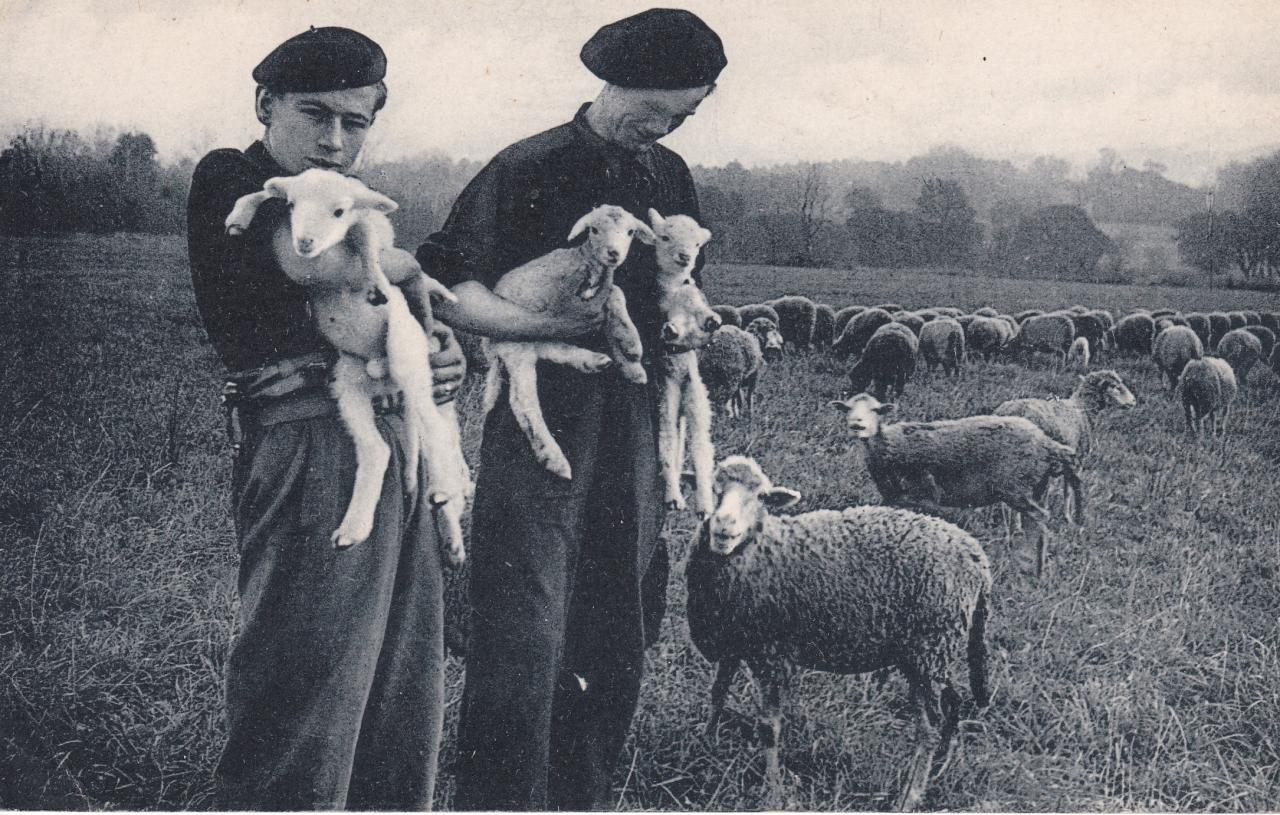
(816, 405)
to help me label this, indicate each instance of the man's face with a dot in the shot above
(324, 129)
(652, 114)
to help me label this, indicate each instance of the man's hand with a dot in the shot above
(577, 318)
(447, 364)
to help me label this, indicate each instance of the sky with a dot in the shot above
(1189, 84)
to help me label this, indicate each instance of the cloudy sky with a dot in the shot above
(1190, 84)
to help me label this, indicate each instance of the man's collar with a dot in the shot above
(258, 154)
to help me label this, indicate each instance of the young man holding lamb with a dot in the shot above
(334, 684)
(562, 586)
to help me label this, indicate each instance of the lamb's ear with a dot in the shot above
(706, 235)
(376, 201)
(840, 406)
(644, 234)
(779, 497)
(655, 217)
(580, 226)
(885, 410)
(277, 187)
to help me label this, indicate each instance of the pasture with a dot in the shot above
(1141, 673)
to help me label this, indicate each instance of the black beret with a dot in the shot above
(322, 59)
(660, 48)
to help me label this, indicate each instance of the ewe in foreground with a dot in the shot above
(845, 591)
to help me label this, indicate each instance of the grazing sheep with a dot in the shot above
(1207, 388)
(910, 320)
(976, 461)
(889, 307)
(1271, 319)
(889, 360)
(844, 315)
(1242, 350)
(1051, 333)
(1275, 361)
(942, 343)
(1069, 421)
(1162, 312)
(1237, 319)
(730, 364)
(729, 315)
(1251, 318)
(1199, 323)
(1077, 309)
(850, 591)
(1091, 327)
(986, 311)
(584, 271)
(926, 314)
(338, 243)
(755, 310)
(767, 334)
(796, 318)
(1173, 348)
(1265, 336)
(1133, 333)
(1023, 316)
(987, 336)
(824, 326)
(859, 330)
(948, 311)
(1078, 355)
(1219, 325)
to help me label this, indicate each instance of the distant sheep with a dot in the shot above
(846, 591)
(1133, 333)
(986, 311)
(1023, 316)
(1242, 350)
(767, 334)
(976, 461)
(730, 365)
(1219, 325)
(859, 330)
(948, 311)
(889, 307)
(754, 310)
(796, 318)
(844, 315)
(1207, 389)
(942, 343)
(889, 360)
(1265, 336)
(910, 320)
(824, 326)
(987, 336)
(1051, 333)
(1237, 319)
(729, 315)
(1199, 323)
(1173, 348)
(1078, 354)
(1271, 319)
(1090, 327)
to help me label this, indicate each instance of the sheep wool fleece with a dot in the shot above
(566, 576)
(335, 679)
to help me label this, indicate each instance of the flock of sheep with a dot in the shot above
(873, 587)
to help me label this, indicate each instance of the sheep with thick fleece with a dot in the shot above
(1050, 333)
(729, 315)
(1172, 349)
(754, 311)
(824, 326)
(543, 284)
(889, 360)
(849, 591)
(859, 329)
(796, 318)
(1219, 325)
(338, 243)
(987, 336)
(767, 334)
(976, 461)
(1207, 388)
(1070, 421)
(730, 365)
(1241, 349)
(844, 315)
(1133, 333)
(911, 320)
(1265, 336)
(942, 343)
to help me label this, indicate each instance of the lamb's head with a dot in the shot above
(610, 230)
(766, 331)
(690, 321)
(1105, 388)
(744, 496)
(323, 205)
(863, 412)
(678, 240)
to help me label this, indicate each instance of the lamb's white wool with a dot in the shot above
(338, 243)
(1078, 355)
(542, 284)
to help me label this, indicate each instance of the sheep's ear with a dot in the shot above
(655, 217)
(885, 410)
(277, 187)
(840, 406)
(644, 234)
(779, 497)
(376, 201)
(580, 226)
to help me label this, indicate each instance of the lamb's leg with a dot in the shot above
(242, 213)
(720, 687)
(580, 359)
(372, 453)
(522, 394)
(624, 339)
(697, 410)
(669, 441)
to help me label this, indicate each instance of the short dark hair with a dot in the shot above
(379, 101)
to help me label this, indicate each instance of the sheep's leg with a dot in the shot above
(697, 410)
(924, 700)
(772, 677)
(726, 669)
(1035, 532)
(624, 339)
(350, 389)
(242, 213)
(669, 441)
(950, 725)
(580, 359)
(522, 394)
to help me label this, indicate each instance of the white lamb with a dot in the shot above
(584, 271)
(338, 244)
(683, 403)
(1078, 355)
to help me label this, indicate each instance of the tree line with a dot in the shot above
(944, 209)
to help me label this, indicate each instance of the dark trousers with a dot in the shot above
(558, 631)
(334, 685)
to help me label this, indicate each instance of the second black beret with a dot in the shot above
(661, 48)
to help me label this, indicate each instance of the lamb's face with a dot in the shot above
(743, 495)
(323, 206)
(690, 321)
(610, 230)
(678, 240)
(862, 414)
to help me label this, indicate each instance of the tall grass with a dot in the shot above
(1142, 674)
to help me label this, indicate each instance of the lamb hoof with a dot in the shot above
(235, 229)
(595, 364)
(634, 373)
(454, 556)
(675, 502)
(558, 465)
(344, 539)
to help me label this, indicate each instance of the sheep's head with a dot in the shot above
(862, 412)
(677, 241)
(323, 205)
(744, 495)
(766, 331)
(609, 231)
(1105, 388)
(690, 321)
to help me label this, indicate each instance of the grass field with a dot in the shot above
(1141, 674)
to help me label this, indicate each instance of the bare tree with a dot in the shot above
(813, 200)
